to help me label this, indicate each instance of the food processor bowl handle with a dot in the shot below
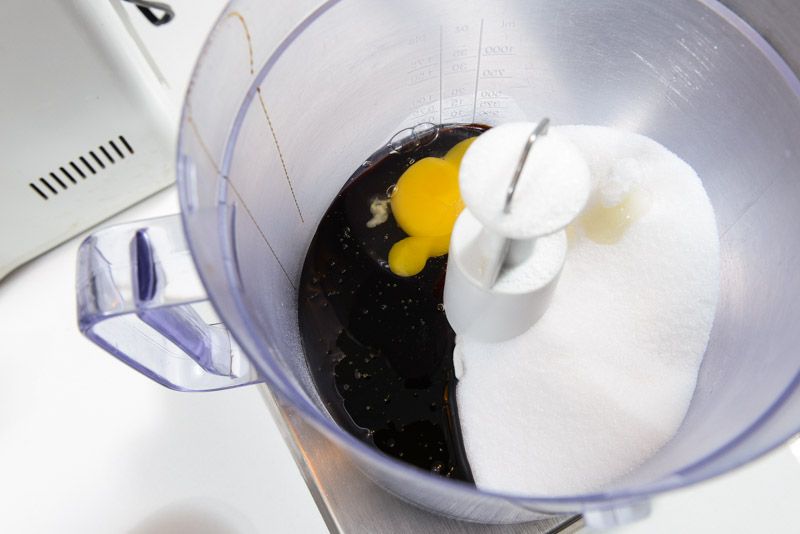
(140, 298)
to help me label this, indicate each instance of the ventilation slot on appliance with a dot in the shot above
(82, 167)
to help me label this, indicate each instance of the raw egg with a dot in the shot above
(425, 203)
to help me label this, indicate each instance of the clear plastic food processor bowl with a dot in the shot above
(287, 99)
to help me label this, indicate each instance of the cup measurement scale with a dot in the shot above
(458, 82)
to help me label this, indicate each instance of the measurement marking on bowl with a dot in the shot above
(261, 232)
(477, 72)
(241, 19)
(441, 70)
(237, 15)
(206, 151)
(211, 160)
(280, 154)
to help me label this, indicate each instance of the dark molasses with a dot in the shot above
(379, 346)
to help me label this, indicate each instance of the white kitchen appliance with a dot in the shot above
(85, 125)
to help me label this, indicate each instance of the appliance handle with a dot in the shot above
(149, 8)
(140, 298)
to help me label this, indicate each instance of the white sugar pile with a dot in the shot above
(605, 377)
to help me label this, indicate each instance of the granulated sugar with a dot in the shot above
(605, 377)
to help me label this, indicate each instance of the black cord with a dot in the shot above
(148, 9)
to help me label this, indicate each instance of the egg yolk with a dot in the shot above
(456, 154)
(425, 203)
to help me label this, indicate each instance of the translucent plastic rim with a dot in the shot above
(280, 383)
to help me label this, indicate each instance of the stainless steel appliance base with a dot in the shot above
(349, 502)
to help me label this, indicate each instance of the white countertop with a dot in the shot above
(88, 445)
